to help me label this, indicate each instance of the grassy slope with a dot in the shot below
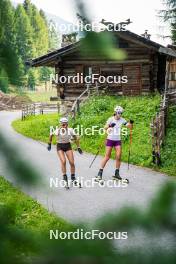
(96, 112)
(41, 96)
(35, 96)
(168, 153)
(25, 224)
(29, 213)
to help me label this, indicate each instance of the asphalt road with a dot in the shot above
(83, 204)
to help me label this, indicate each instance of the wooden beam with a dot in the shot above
(106, 62)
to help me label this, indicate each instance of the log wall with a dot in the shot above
(141, 67)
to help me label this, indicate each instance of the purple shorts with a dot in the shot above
(113, 143)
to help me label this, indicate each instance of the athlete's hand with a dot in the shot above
(112, 125)
(80, 151)
(49, 147)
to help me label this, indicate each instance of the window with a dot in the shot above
(122, 44)
(172, 76)
(111, 71)
(87, 71)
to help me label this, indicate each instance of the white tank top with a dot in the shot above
(115, 132)
(64, 135)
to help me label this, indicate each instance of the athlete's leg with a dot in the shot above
(106, 157)
(118, 152)
(70, 158)
(62, 158)
(104, 161)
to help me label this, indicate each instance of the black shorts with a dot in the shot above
(63, 146)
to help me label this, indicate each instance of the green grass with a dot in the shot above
(41, 96)
(36, 127)
(96, 112)
(34, 96)
(29, 214)
(24, 224)
(168, 153)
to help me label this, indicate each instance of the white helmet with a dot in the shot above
(118, 109)
(64, 120)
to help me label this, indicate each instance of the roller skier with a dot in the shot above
(64, 135)
(113, 129)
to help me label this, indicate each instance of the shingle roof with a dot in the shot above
(50, 58)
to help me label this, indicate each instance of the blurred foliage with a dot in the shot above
(158, 219)
(21, 170)
(19, 245)
(98, 44)
(101, 45)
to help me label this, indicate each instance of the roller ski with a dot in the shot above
(75, 182)
(98, 178)
(66, 183)
(117, 177)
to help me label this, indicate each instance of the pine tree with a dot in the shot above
(40, 32)
(32, 79)
(4, 80)
(53, 36)
(24, 34)
(8, 54)
(42, 14)
(169, 14)
(23, 30)
(27, 6)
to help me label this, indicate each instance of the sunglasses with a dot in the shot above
(64, 124)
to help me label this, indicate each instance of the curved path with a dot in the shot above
(87, 204)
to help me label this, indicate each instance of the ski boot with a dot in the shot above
(98, 178)
(75, 182)
(117, 177)
(65, 178)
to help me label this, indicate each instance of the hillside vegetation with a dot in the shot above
(95, 113)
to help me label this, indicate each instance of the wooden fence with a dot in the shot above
(82, 98)
(63, 106)
(89, 91)
(172, 97)
(159, 122)
(158, 129)
(39, 108)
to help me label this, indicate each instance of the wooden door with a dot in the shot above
(133, 86)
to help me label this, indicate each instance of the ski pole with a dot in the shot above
(96, 155)
(44, 145)
(129, 153)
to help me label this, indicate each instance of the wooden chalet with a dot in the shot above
(172, 71)
(145, 65)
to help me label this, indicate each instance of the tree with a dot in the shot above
(4, 80)
(24, 34)
(23, 30)
(27, 6)
(32, 78)
(169, 14)
(42, 14)
(53, 36)
(39, 32)
(8, 53)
